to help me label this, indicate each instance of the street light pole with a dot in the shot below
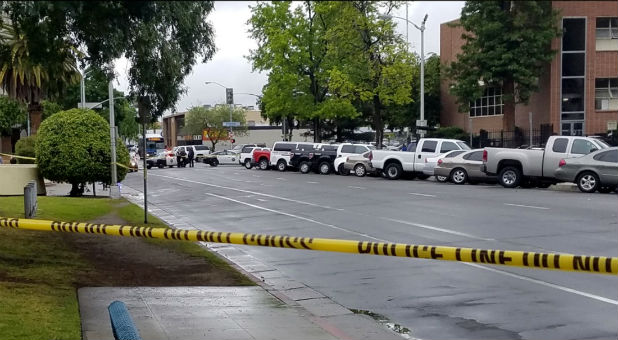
(422, 29)
(113, 189)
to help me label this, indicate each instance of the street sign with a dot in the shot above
(421, 122)
(233, 124)
(88, 105)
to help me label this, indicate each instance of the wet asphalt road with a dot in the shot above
(434, 299)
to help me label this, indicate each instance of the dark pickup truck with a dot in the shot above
(319, 159)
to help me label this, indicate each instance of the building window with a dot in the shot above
(573, 85)
(606, 94)
(490, 104)
(607, 28)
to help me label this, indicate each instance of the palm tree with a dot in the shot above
(29, 81)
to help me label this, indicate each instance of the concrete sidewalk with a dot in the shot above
(217, 313)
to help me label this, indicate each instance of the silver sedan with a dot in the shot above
(592, 172)
(360, 164)
(463, 168)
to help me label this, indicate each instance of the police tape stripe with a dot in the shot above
(122, 165)
(15, 156)
(555, 261)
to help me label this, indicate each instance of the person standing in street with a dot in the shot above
(191, 155)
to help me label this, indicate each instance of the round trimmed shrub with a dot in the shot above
(25, 147)
(74, 146)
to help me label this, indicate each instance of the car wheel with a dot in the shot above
(360, 170)
(248, 164)
(263, 164)
(459, 176)
(509, 177)
(214, 162)
(342, 171)
(606, 190)
(588, 182)
(148, 166)
(393, 171)
(161, 165)
(305, 167)
(281, 165)
(441, 179)
(324, 168)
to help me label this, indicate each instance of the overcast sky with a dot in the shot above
(230, 67)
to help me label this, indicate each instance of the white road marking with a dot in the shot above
(251, 192)
(526, 206)
(297, 217)
(261, 200)
(256, 176)
(452, 232)
(520, 277)
(417, 194)
(353, 187)
(546, 284)
(281, 179)
(313, 182)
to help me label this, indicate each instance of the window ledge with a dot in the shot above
(606, 111)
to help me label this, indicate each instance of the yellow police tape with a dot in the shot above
(34, 159)
(564, 262)
(15, 156)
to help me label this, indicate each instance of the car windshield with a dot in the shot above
(463, 145)
(601, 143)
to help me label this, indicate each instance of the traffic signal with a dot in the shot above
(229, 96)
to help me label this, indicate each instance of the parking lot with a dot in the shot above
(433, 299)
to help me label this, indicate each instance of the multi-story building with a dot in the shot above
(578, 90)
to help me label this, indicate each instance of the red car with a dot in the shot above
(262, 158)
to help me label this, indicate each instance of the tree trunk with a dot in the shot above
(316, 131)
(378, 124)
(508, 111)
(339, 132)
(76, 190)
(35, 111)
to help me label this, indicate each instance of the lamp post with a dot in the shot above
(422, 29)
(82, 88)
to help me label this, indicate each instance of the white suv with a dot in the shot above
(199, 151)
(281, 153)
(345, 150)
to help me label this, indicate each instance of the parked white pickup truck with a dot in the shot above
(536, 167)
(395, 163)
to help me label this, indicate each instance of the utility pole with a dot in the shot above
(144, 113)
(114, 191)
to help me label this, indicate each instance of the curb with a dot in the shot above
(289, 291)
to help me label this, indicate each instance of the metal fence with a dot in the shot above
(518, 138)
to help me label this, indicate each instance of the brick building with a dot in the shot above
(578, 90)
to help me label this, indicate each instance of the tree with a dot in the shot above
(161, 39)
(11, 113)
(507, 44)
(406, 115)
(200, 119)
(74, 146)
(96, 86)
(292, 46)
(28, 80)
(374, 59)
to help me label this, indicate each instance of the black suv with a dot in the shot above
(319, 160)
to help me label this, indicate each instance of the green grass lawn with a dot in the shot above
(38, 270)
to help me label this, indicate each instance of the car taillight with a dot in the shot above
(484, 155)
(425, 160)
(562, 163)
(347, 159)
(439, 161)
(370, 156)
(170, 155)
(310, 155)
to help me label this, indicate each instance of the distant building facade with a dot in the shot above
(259, 131)
(578, 90)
